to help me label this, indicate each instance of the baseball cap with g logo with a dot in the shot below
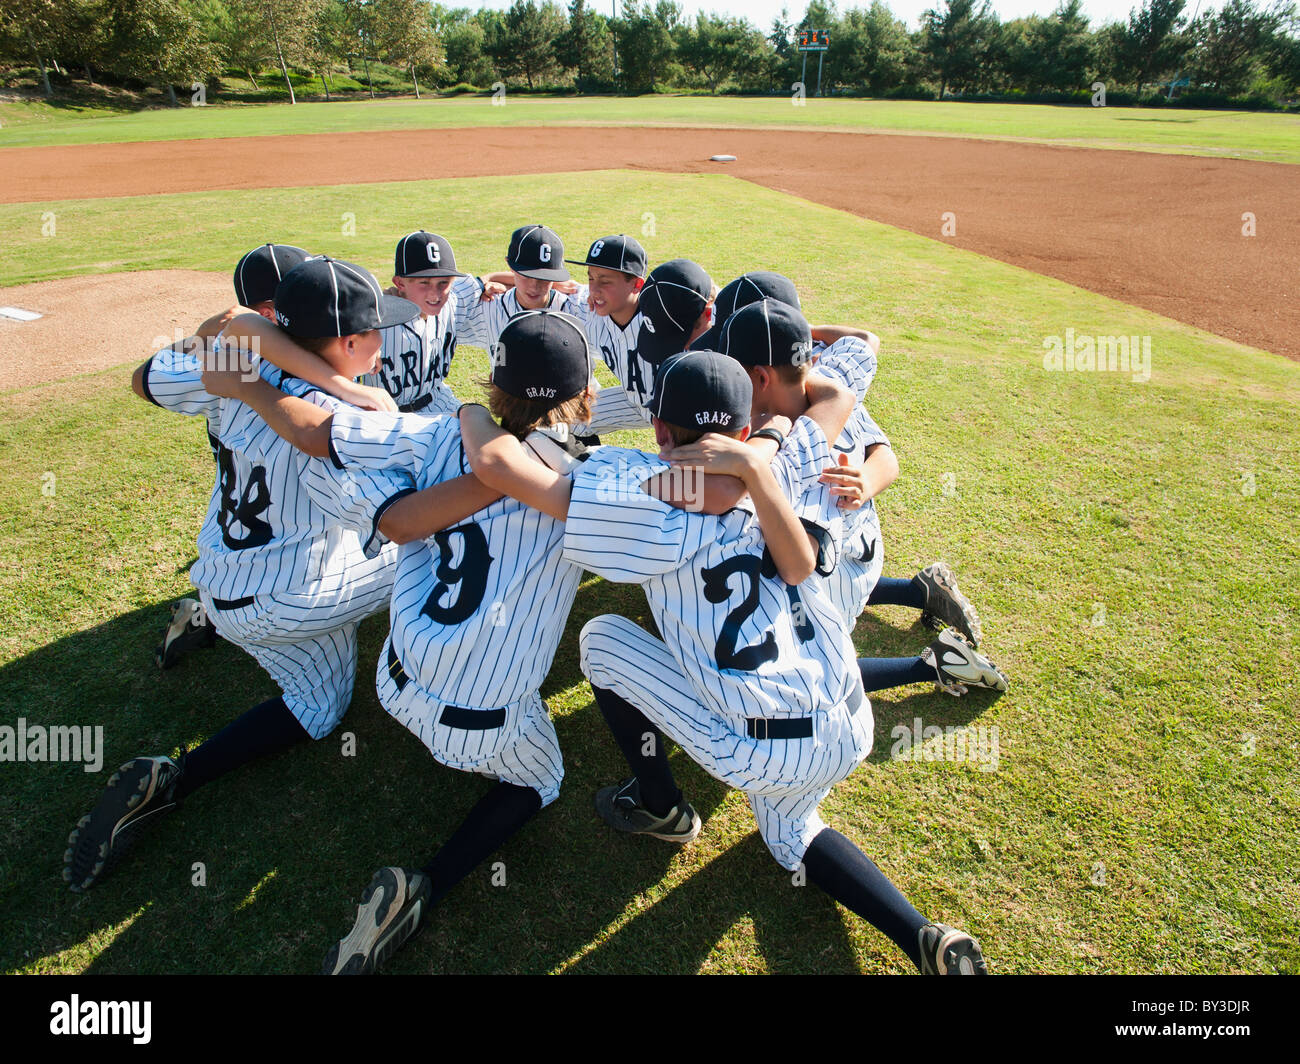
(621, 252)
(422, 254)
(536, 251)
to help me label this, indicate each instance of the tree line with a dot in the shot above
(1242, 50)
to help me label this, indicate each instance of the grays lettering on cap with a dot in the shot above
(702, 390)
(329, 297)
(543, 356)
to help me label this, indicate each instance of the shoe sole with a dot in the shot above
(950, 607)
(380, 928)
(962, 956)
(615, 819)
(175, 644)
(112, 821)
(999, 680)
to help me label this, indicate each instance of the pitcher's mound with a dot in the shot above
(93, 322)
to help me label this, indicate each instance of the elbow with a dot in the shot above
(796, 576)
(396, 531)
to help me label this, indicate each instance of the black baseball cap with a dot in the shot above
(702, 390)
(329, 297)
(422, 254)
(746, 289)
(672, 300)
(536, 251)
(541, 355)
(767, 333)
(258, 272)
(622, 253)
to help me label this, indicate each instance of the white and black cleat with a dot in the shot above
(945, 604)
(959, 666)
(189, 629)
(391, 911)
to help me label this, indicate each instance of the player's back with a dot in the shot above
(752, 645)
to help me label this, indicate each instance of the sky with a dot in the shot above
(762, 12)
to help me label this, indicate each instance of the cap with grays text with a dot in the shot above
(541, 355)
(702, 390)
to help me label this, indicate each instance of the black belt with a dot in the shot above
(232, 604)
(419, 404)
(451, 716)
(794, 727)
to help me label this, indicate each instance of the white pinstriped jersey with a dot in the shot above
(278, 519)
(480, 323)
(850, 361)
(416, 356)
(751, 645)
(477, 610)
(625, 406)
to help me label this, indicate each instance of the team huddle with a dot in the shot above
(351, 479)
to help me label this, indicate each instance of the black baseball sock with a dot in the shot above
(498, 815)
(265, 729)
(891, 591)
(849, 876)
(635, 735)
(880, 673)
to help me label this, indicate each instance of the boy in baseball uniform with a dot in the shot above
(289, 562)
(754, 676)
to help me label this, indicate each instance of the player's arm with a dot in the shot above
(254, 332)
(422, 513)
(304, 425)
(829, 404)
(720, 493)
(501, 462)
(793, 550)
(828, 334)
(854, 486)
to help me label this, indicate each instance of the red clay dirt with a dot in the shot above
(1164, 232)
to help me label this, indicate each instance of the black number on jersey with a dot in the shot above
(448, 350)
(471, 574)
(242, 508)
(718, 589)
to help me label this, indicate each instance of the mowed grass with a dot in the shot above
(1267, 136)
(1130, 547)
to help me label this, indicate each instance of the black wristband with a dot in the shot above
(769, 434)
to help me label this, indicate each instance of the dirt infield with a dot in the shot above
(129, 310)
(1164, 232)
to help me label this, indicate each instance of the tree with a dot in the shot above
(585, 47)
(331, 39)
(159, 40)
(717, 47)
(1150, 43)
(522, 43)
(463, 43)
(36, 24)
(956, 40)
(645, 42)
(404, 33)
(1230, 43)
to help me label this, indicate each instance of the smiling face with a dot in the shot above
(613, 293)
(532, 293)
(428, 293)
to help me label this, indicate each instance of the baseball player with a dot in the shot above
(753, 677)
(477, 614)
(849, 355)
(773, 341)
(256, 275)
(289, 562)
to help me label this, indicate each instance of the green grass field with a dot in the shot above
(1130, 547)
(1274, 137)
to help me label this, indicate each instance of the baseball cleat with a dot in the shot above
(959, 666)
(188, 629)
(620, 807)
(945, 604)
(136, 793)
(947, 951)
(391, 911)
